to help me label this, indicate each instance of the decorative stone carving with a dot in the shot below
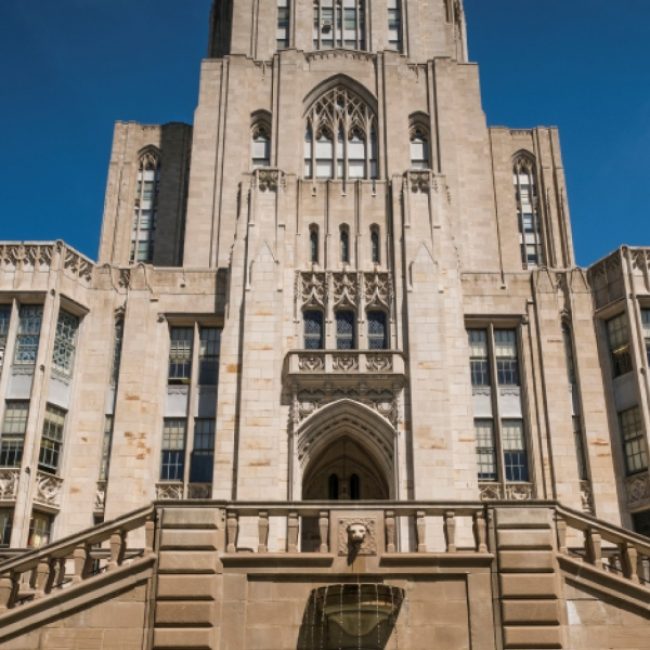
(420, 181)
(268, 180)
(379, 289)
(79, 266)
(100, 496)
(520, 492)
(48, 489)
(345, 362)
(637, 488)
(379, 362)
(169, 491)
(311, 362)
(490, 491)
(9, 484)
(345, 289)
(360, 531)
(314, 289)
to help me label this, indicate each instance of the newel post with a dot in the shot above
(324, 527)
(450, 531)
(480, 532)
(292, 532)
(390, 531)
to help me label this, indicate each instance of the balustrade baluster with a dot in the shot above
(324, 527)
(450, 530)
(292, 532)
(263, 531)
(421, 528)
(630, 558)
(593, 547)
(80, 557)
(59, 578)
(390, 531)
(118, 548)
(561, 527)
(42, 578)
(232, 530)
(6, 591)
(480, 532)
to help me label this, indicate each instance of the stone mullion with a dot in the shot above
(496, 414)
(362, 338)
(192, 409)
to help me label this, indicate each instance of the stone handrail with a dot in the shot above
(346, 361)
(37, 573)
(629, 557)
(40, 255)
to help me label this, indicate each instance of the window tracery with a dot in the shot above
(530, 230)
(342, 112)
(146, 207)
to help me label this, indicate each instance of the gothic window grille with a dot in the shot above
(344, 236)
(339, 23)
(419, 143)
(180, 355)
(40, 529)
(375, 245)
(313, 244)
(282, 34)
(172, 464)
(515, 456)
(12, 439)
(6, 519)
(645, 319)
(479, 364)
(145, 211)
(635, 446)
(341, 112)
(314, 335)
(619, 345)
(106, 448)
(5, 316)
(201, 469)
(345, 330)
(395, 25)
(49, 456)
(65, 343)
(377, 331)
(485, 450)
(118, 337)
(210, 345)
(530, 230)
(261, 144)
(29, 332)
(506, 357)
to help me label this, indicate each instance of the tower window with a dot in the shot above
(345, 330)
(12, 439)
(377, 331)
(49, 456)
(375, 245)
(65, 343)
(478, 359)
(261, 144)
(5, 316)
(180, 355)
(645, 319)
(395, 25)
(201, 469)
(146, 207)
(506, 357)
(530, 234)
(419, 141)
(210, 346)
(29, 332)
(344, 236)
(619, 345)
(485, 450)
(173, 449)
(314, 339)
(339, 23)
(313, 244)
(282, 34)
(514, 450)
(635, 446)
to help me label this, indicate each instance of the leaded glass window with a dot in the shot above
(530, 232)
(173, 449)
(65, 343)
(49, 456)
(505, 342)
(619, 345)
(180, 355)
(339, 23)
(515, 456)
(485, 450)
(314, 335)
(145, 209)
(29, 332)
(478, 360)
(5, 316)
(12, 439)
(635, 445)
(210, 345)
(345, 330)
(201, 469)
(377, 331)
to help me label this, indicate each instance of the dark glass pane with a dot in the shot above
(202, 466)
(355, 487)
(516, 464)
(313, 322)
(333, 487)
(345, 322)
(377, 335)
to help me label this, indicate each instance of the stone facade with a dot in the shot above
(338, 285)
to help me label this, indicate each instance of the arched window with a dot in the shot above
(375, 245)
(146, 207)
(345, 330)
(344, 236)
(377, 330)
(261, 143)
(419, 145)
(313, 244)
(340, 111)
(530, 232)
(339, 23)
(395, 25)
(314, 339)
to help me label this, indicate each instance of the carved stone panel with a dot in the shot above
(369, 544)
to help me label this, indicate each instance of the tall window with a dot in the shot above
(146, 207)
(344, 236)
(12, 440)
(377, 331)
(173, 449)
(106, 448)
(5, 316)
(340, 111)
(6, 519)
(478, 360)
(261, 144)
(645, 319)
(485, 450)
(395, 25)
(282, 33)
(203, 454)
(635, 446)
(375, 245)
(313, 244)
(210, 346)
(618, 337)
(29, 332)
(506, 356)
(180, 355)
(65, 342)
(339, 23)
(314, 335)
(345, 330)
(514, 450)
(40, 529)
(530, 232)
(419, 146)
(49, 457)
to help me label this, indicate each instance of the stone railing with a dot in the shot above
(603, 546)
(73, 560)
(349, 362)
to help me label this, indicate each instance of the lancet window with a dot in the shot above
(530, 230)
(395, 25)
(341, 137)
(375, 245)
(145, 208)
(344, 235)
(261, 143)
(313, 244)
(282, 34)
(339, 23)
(419, 143)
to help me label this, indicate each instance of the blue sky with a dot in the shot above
(70, 68)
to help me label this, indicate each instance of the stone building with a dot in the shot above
(335, 380)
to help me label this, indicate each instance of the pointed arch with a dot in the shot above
(145, 207)
(528, 208)
(261, 138)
